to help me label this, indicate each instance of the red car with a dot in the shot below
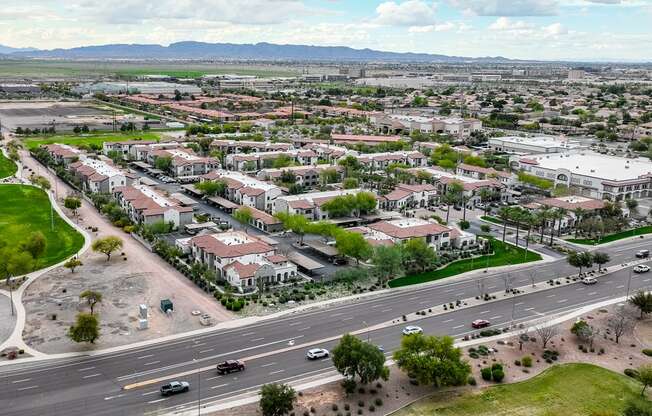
(480, 323)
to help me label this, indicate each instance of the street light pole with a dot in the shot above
(629, 282)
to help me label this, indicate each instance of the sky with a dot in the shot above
(590, 30)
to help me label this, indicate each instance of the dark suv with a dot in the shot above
(642, 254)
(175, 387)
(230, 366)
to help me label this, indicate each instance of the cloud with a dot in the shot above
(440, 27)
(407, 13)
(506, 24)
(507, 7)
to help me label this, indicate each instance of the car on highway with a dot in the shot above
(230, 366)
(480, 323)
(175, 387)
(317, 353)
(641, 268)
(589, 280)
(412, 329)
(642, 254)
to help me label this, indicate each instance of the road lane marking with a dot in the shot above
(150, 392)
(448, 320)
(413, 298)
(92, 375)
(448, 290)
(144, 356)
(85, 369)
(347, 319)
(303, 329)
(212, 378)
(620, 287)
(114, 397)
(496, 317)
(646, 280)
(551, 296)
(580, 288)
(458, 327)
(152, 363)
(519, 303)
(295, 323)
(158, 400)
(205, 351)
(20, 381)
(593, 293)
(424, 302)
(337, 314)
(375, 306)
(197, 345)
(483, 312)
(28, 388)
(248, 333)
(256, 339)
(386, 310)
(276, 372)
(459, 294)
(562, 301)
(528, 309)
(268, 364)
(219, 385)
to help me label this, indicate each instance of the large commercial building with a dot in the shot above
(400, 123)
(591, 174)
(533, 145)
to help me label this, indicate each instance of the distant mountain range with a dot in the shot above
(8, 49)
(258, 51)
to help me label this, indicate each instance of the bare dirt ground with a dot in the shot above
(398, 391)
(144, 278)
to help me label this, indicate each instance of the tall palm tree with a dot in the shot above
(579, 216)
(555, 215)
(543, 215)
(531, 220)
(504, 214)
(517, 218)
(561, 212)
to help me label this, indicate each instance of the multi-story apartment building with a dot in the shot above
(145, 205)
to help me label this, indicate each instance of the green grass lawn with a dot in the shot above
(571, 389)
(613, 237)
(492, 219)
(504, 254)
(88, 139)
(7, 166)
(26, 209)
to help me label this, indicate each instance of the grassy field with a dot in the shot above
(571, 389)
(613, 237)
(26, 209)
(492, 219)
(88, 139)
(39, 68)
(7, 166)
(503, 254)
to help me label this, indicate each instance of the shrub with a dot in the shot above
(486, 373)
(334, 407)
(496, 366)
(498, 375)
(517, 363)
(360, 403)
(312, 410)
(359, 411)
(630, 372)
(378, 402)
(526, 361)
(647, 352)
(347, 406)
(349, 385)
(372, 408)
(637, 407)
(471, 381)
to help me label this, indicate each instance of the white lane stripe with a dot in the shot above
(205, 351)
(620, 287)
(20, 381)
(484, 312)
(159, 400)
(212, 378)
(248, 333)
(219, 385)
(496, 317)
(152, 363)
(458, 327)
(593, 293)
(114, 397)
(276, 372)
(268, 364)
(144, 356)
(256, 339)
(28, 388)
(562, 301)
(386, 310)
(150, 392)
(303, 329)
(519, 303)
(295, 323)
(92, 375)
(347, 319)
(551, 296)
(337, 314)
(448, 320)
(86, 369)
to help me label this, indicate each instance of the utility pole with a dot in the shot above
(629, 282)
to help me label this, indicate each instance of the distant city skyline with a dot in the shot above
(583, 30)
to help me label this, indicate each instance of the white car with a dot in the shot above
(317, 353)
(641, 268)
(412, 329)
(589, 280)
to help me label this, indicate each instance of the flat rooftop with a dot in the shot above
(539, 141)
(101, 167)
(596, 165)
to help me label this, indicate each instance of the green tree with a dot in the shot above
(350, 183)
(163, 163)
(645, 377)
(72, 203)
(418, 255)
(329, 175)
(504, 213)
(432, 360)
(35, 244)
(243, 215)
(211, 187)
(92, 297)
(353, 245)
(354, 358)
(388, 262)
(580, 260)
(601, 258)
(107, 245)
(365, 202)
(85, 329)
(283, 161)
(72, 264)
(643, 301)
(296, 223)
(276, 399)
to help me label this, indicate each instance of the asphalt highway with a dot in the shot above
(95, 385)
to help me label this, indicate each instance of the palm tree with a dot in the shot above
(485, 196)
(465, 200)
(504, 214)
(543, 215)
(531, 220)
(554, 215)
(579, 215)
(561, 212)
(517, 217)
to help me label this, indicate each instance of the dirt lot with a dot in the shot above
(143, 278)
(398, 391)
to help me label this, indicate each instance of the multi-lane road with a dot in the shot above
(275, 349)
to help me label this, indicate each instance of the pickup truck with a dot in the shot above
(175, 387)
(230, 366)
